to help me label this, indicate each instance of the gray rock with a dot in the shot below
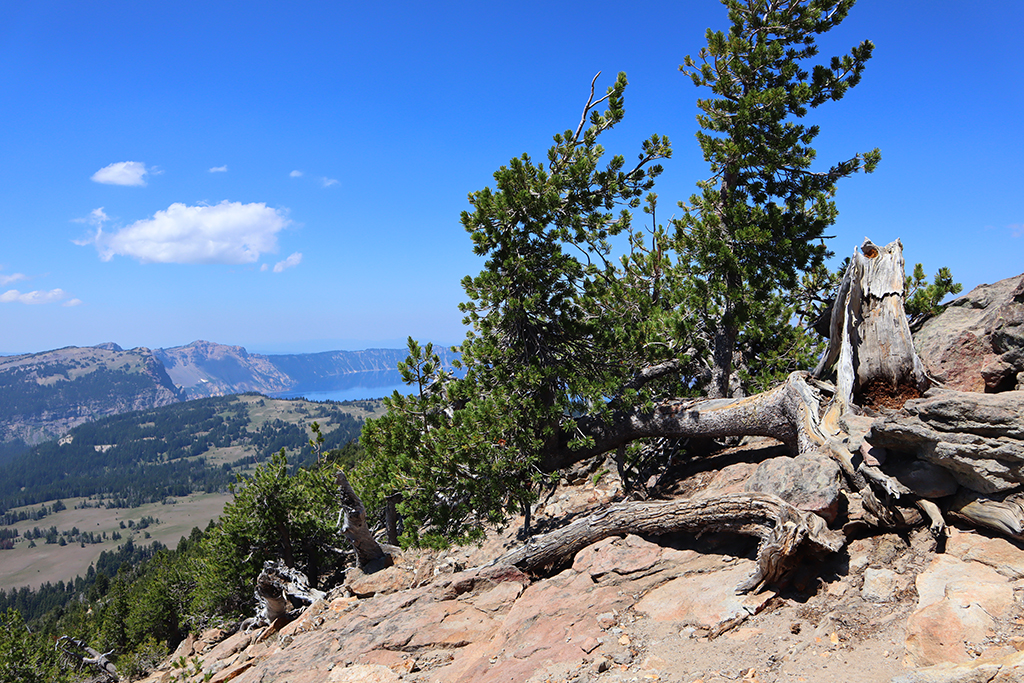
(879, 585)
(977, 343)
(978, 438)
(808, 482)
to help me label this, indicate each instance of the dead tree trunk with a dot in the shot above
(870, 345)
(784, 531)
(352, 520)
(81, 656)
(279, 590)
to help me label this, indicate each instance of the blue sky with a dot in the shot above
(289, 176)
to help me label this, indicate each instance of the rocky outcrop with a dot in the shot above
(204, 368)
(977, 343)
(978, 438)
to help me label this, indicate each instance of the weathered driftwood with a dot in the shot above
(352, 520)
(784, 531)
(279, 589)
(788, 412)
(1001, 513)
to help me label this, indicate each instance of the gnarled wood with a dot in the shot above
(788, 412)
(352, 520)
(870, 340)
(784, 531)
(278, 589)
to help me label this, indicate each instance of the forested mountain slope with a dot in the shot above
(43, 395)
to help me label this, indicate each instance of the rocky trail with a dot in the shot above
(889, 607)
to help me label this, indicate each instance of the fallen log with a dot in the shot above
(786, 533)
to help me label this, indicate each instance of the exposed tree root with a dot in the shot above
(785, 532)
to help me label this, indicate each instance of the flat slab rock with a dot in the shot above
(494, 625)
(978, 438)
(965, 604)
(632, 610)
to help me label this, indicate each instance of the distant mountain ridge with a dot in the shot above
(43, 395)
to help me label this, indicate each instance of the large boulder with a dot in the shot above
(977, 343)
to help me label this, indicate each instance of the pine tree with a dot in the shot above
(759, 220)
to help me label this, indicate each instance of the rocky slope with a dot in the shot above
(888, 608)
(893, 605)
(204, 368)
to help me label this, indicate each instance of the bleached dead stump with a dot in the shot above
(871, 349)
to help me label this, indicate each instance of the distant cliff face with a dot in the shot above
(46, 394)
(204, 368)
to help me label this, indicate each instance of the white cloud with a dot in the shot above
(295, 174)
(13, 277)
(327, 182)
(229, 232)
(290, 262)
(219, 169)
(122, 173)
(72, 302)
(36, 297)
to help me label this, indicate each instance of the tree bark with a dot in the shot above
(278, 587)
(353, 525)
(784, 531)
(788, 412)
(870, 344)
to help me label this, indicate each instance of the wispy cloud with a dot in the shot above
(37, 297)
(219, 169)
(13, 277)
(290, 262)
(229, 232)
(295, 174)
(1017, 230)
(122, 173)
(327, 182)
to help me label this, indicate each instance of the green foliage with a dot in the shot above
(759, 220)
(184, 669)
(150, 455)
(26, 657)
(923, 300)
(274, 515)
(546, 338)
(453, 470)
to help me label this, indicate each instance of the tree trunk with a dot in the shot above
(788, 412)
(870, 345)
(353, 525)
(784, 531)
(279, 587)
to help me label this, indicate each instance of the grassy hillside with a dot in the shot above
(170, 465)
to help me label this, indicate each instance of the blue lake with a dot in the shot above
(348, 393)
